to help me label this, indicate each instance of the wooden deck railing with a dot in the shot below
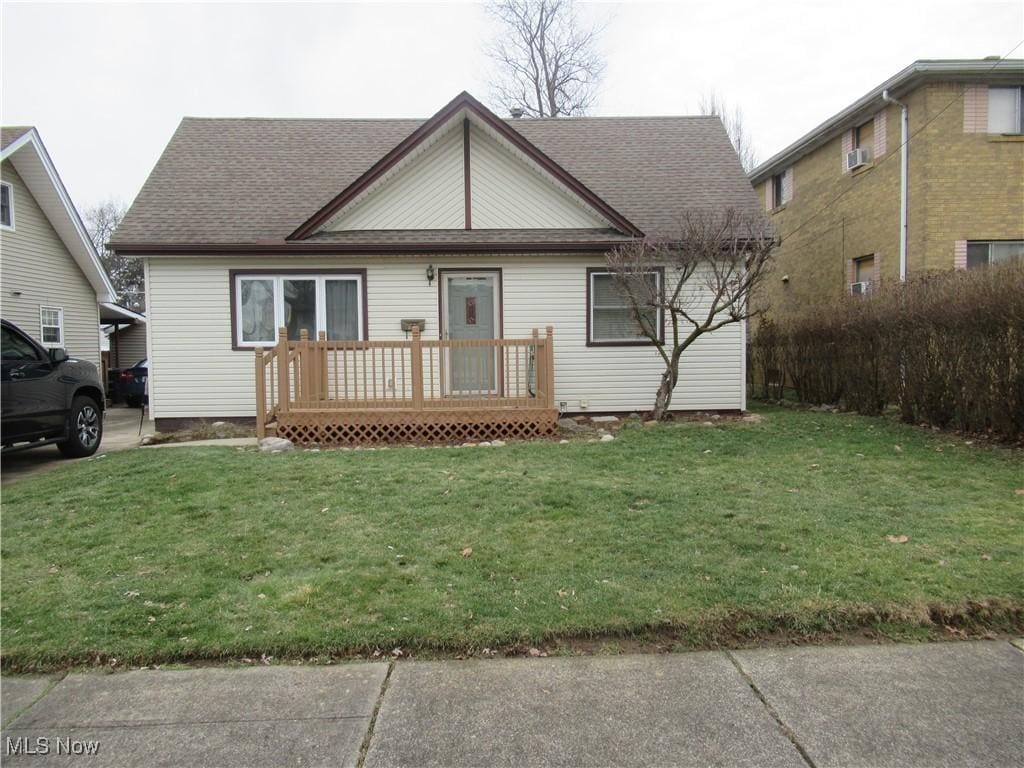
(317, 375)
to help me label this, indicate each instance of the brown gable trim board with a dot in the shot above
(362, 249)
(466, 185)
(462, 101)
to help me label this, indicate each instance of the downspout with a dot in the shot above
(904, 134)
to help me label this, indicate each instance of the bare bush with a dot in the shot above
(946, 349)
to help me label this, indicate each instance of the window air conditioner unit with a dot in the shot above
(859, 289)
(857, 158)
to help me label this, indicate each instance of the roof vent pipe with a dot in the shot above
(516, 112)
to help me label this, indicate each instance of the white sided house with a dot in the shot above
(344, 280)
(52, 284)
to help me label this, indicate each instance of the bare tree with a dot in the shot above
(547, 64)
(127, 275)
(711, 267)
(712, 103)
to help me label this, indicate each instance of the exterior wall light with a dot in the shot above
(430, 274)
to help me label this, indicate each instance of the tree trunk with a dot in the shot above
(664, 397)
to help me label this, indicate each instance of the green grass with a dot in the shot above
(737, 530)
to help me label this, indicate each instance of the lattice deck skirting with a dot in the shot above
(402, 426)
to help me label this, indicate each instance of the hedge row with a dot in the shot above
(946, 349)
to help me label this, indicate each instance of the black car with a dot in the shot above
(47, 397)
(132, 383)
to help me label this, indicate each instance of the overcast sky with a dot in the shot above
(107, 84)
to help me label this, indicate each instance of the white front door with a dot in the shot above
(469, 310)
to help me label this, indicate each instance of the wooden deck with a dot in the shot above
(414, 390)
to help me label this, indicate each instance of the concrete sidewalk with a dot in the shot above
(953, 704)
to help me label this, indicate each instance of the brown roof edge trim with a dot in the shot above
(463, 100)
(362, 249)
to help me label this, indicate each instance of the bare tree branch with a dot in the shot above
(545, 62)
(711, 267)
(127, 275)
(712, 103)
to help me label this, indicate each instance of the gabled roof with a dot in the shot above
(464, 103)
(250, 184)
(1009, 71)
(23, 147)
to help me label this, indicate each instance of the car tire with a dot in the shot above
(85, 428)
(132, 401)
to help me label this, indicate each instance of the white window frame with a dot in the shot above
(1019, 111)
(321, 302)
(59, 344)
(10, 203)
(630, 341)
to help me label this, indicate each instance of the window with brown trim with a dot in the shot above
(262, 302)
(611, 317)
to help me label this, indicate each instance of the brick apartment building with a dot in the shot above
(834, 196)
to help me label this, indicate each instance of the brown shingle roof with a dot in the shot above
(238, 181)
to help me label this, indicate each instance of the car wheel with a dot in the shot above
(132, 401)
(85, 428)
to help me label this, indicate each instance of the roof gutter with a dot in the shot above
(1009, 71)
(904, 167)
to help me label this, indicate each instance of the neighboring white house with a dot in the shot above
(51, 278)
(123, 341)
(468, 224)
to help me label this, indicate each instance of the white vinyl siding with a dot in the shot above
(426, 190)
(426, 193)
(195, 373)
(508, 192)
(127, 345)
(36, 270)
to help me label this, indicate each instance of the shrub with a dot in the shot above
(946, 348)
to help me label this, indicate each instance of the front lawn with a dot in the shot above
(695, 531)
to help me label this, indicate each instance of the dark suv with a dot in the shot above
(48, 397)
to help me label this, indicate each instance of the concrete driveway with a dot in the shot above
(120, 431)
